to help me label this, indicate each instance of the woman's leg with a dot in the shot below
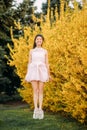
(41, 87)
(35, 85)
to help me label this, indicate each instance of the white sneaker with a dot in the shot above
(41, 114)
(35, 114)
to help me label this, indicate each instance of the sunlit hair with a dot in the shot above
(38, 35)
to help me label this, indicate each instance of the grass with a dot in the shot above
(20, 118)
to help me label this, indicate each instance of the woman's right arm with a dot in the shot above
(30, 56)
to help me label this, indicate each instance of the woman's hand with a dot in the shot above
(50, 78)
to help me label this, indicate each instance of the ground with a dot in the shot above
(18, 116)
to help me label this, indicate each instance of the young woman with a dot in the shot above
(38, 73)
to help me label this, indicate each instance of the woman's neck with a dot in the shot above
(38, 47)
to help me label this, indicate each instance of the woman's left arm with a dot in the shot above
(47, 64)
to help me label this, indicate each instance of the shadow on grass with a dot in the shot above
(20, 118)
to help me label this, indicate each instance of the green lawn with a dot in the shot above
(20, 118)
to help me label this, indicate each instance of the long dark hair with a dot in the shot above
(38, 35)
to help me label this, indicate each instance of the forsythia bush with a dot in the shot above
(66, 42)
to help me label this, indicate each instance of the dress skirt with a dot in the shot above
(37, 71)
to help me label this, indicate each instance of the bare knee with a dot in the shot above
(41, 86)
(40, 91)
(35, 86)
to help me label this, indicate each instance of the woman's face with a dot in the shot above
(39, 41)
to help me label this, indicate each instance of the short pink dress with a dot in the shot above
(37, 70)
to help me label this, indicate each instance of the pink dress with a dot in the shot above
(37, 70)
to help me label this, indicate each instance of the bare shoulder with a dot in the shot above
(31, 50)
(45, 50)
